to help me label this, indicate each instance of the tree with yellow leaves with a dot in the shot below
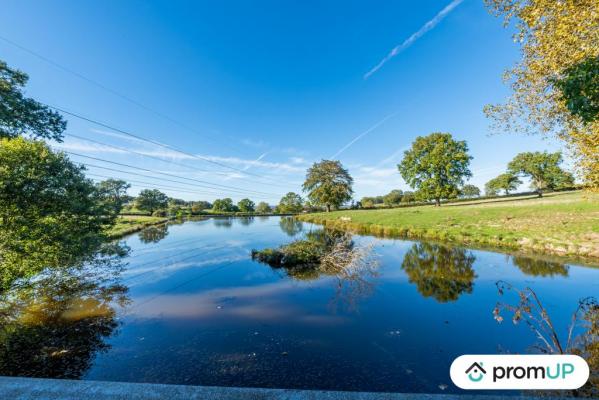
(556, 36)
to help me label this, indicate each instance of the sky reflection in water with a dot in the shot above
(200, 311)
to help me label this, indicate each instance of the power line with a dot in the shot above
(110, 90)
(153, 185)
(203, 183)
(159, 185)
(148, 155)
(142, 154)
(156, 143)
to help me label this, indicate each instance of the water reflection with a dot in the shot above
(291, 226)
(54, 325)
(246, 221)
(443, 273)
(538, 267)
(153, 234)
(222, 222)
(326, 253)
(203, 313)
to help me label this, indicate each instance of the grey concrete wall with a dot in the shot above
(54, 389)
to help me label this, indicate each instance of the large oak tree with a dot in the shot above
(436, 166)
(328, 184)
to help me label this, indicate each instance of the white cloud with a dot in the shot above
(393, 158)
(86, 148)
(415, 36)
(271, 166)
(298, 160)
(116, 135)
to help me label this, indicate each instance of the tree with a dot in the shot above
(263, 208)
(367, 202)
(246, 205)
(328, 184)
(436, 165)
(579, 87)
(408, 197)
(151, 200)
(51, 215)
(115, 191)
(223, 205)
(507, 182)
(199, 206)
(392, 198)
(470, 191)
(290, 203)
(20, 115)
(558, 39)
(543, 169)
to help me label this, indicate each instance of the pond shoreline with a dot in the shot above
(386, 232)
(136, 226)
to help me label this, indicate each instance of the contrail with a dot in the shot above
(415, 36)
(255, 161)
(361, 135)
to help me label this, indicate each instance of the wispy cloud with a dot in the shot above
(271, 166)
(361, 135)
(415, 36)
(86, 148)
(393, 157)
(116, 135)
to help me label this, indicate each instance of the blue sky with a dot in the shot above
(267, 87)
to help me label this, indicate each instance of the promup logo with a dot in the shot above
(476, 372)
(519, 372)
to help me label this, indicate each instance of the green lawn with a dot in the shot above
(127, 224)
(564, 223)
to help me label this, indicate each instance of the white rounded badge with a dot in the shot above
(523, 372)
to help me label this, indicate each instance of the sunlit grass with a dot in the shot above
(564, 223)
(127, 224)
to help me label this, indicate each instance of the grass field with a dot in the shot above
(563, 223)
(133, 223)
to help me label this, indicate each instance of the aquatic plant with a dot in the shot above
(583, 331)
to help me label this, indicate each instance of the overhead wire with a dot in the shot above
(111, 91)
(201, 182)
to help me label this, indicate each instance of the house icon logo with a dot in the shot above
(476, 372)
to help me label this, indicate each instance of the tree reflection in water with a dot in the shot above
(246, 221)
(153, 234)
(290, 226)
(223, 222)
(538, 267)
(330, 253)
(443, 273)
(54, 324)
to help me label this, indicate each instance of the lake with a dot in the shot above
(190, 306)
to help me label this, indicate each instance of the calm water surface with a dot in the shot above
(200, 311)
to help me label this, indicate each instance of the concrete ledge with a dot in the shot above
(59, 389)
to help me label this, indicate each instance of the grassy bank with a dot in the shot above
(127, 224)
(564, 223)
